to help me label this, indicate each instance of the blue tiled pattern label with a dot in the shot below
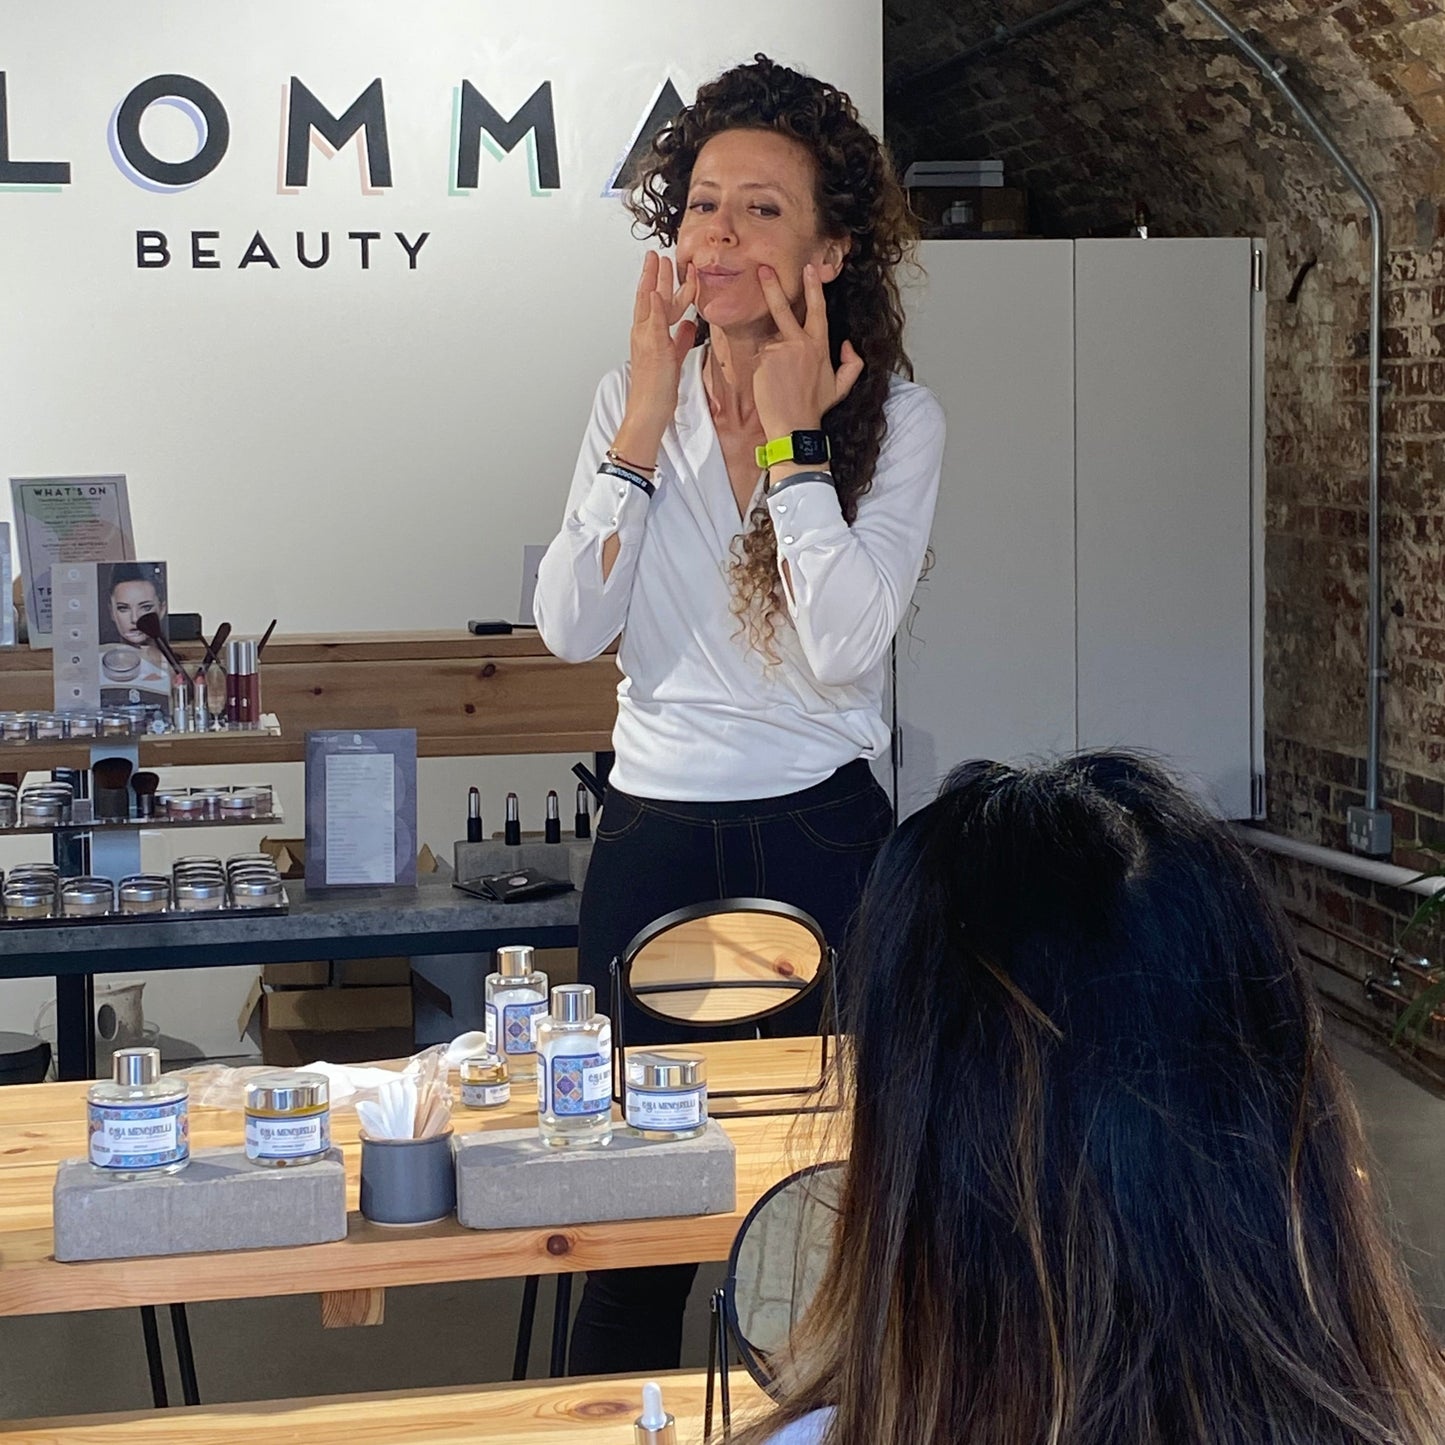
(519, 1027)
(580, 1084)
(139, 1136)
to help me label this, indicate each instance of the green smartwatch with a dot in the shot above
(808, 447)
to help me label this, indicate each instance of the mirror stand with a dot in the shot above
(717, 1363)
(830, 1046)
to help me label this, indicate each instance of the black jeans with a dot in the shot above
(811, 849)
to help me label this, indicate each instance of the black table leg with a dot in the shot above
(75, 1026)
(525, 1322)
(154, 1363)
(181, 1329)
(561, 1320)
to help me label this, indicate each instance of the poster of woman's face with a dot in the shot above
(104, 656)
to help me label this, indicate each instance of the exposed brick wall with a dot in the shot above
(1124, 103)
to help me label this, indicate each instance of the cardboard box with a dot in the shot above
(342, 1025)
(371, 972)
(297, 975)
(1000, 210)
(288, 854)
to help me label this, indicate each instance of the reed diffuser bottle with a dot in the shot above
(574, 1070)
(516, 1003)
(139, 1120)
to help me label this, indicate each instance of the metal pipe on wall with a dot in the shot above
(1387, 873)
(1274, 71)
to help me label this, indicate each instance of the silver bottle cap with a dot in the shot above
(515, 960)
(572, 1003)
(136, 1066)
(666, 1071)
(241, 657)
(287, 1091)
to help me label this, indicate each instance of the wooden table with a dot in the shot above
(572, 1412)
(41, 1124)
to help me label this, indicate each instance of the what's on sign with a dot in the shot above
(306, 119)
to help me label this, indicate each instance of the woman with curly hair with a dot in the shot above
(750, 510)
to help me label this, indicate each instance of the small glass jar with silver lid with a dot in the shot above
(46, 727)
(198, 894)
(256, 892)
(288, 1118)
(666, 1094)
(45, 806)
(29, 897)
(87, 897)
(9, 805)
(485, 1082)
(145, 893)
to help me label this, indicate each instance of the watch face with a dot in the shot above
(810, 446)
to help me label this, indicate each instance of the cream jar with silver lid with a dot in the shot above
(40, 810)
(288, 1118)
(200, 895)
(145, 893)
(257, 893)
(666, 1094)
(484, 1080)
(87, 897)
(29, 897)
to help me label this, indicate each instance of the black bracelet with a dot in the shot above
(609, 469)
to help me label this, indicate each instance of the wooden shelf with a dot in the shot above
(464, 695)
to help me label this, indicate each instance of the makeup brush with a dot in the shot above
(108, 778)
(265, 638)
(144, 786)
(150, 624)
(217, 643)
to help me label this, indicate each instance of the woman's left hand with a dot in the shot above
(795, 383)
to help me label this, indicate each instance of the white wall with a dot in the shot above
(346, 449)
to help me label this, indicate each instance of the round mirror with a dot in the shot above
(721, 963)
(776, 1264)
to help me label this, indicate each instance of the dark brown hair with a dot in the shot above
(1106, 1185)
(857, 196)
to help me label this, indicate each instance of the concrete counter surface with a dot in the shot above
(431, 918)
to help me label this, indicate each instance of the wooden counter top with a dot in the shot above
(566, 1412)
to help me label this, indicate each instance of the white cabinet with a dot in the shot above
(1097, 542)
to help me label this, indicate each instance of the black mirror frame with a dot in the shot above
(726, 1328)
(826, 976)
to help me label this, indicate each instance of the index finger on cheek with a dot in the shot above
(777, 299)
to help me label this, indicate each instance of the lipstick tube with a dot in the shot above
(180, 702)
(243, 684)
(474, 815)
(582, 825)
(512, 828)
(553, 827)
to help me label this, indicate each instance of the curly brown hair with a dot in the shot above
(857, 196)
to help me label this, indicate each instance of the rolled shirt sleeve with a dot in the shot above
(578, 613)
(846, 587)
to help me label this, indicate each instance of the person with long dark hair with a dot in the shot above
(750, 511)
(1105, 1184)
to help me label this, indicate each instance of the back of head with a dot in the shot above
(1105, 1185)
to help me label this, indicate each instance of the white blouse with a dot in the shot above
(701, 716)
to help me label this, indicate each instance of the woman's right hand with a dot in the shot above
(657, 352)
